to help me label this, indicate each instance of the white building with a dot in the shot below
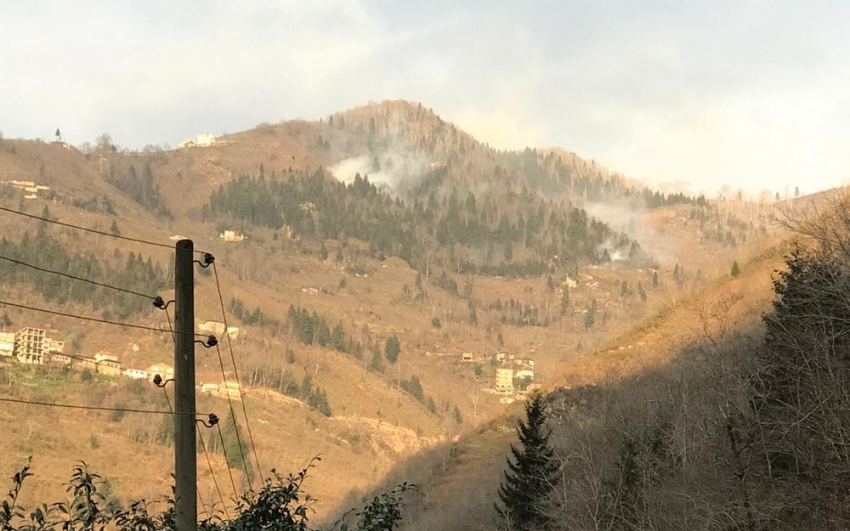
(136, 374)
(7, 344)
(215, 328)
(231, 236)
(202, 140)
(504, 380)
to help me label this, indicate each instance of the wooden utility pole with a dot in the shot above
(185, 452)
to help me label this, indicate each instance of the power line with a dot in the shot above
(226, 459)
(89, 281)
(93, 231)
(93, 319)
(200, 498)
(215, 481)
(236, 371)
(201, 439)
(233, 415)
(92, 408)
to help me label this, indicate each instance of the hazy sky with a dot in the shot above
(747, 93)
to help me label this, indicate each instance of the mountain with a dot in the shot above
(442, 243)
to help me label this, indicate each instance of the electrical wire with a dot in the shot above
(92, 408)
(200, 438)
(94, 319)
(89, 281)
(236, 371)
(200, 498)
(93, 231)
(226, 459)
(233, 415)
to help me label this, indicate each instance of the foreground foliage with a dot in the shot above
(280, 505)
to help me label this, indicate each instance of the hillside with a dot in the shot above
(449, 246)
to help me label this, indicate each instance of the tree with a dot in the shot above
(624, 289)
(45, 213)
(234, 446)
(533, 473)
(435, 322)
(565, 300)
(796, 191)
(323, 253)
(655, 279)
(5, 320)
(641, 292)
(392, 349)
(458, 416)
(590, 316)
(114, 228)
(735, 269)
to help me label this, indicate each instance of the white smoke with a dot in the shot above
(392, 170)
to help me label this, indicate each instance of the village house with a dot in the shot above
(135, 374)
(7, 344)
(202, 140)
(231, 236)
(467, 357)
(107, 363)
(524, 371)
(165, 371)
(60, 360)
(504, 380)
(229, 390)
(215, 328)
(500, 356)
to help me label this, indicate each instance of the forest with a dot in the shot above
(514, 235)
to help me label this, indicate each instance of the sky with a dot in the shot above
(744, 93)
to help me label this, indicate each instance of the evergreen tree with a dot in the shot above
(323, 253)
(735, 269)
(796, 191)
(532, 474)
(641, 292)
(234, 445)
(377, 364)
(392, 349)
(655, 279)
(458, 416)
(565, 300)
(114, 229)
(590, 316)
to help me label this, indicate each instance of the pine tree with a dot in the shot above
(655, 279)
(392, 349)
(735, 269)
(234, 445)
(641, 292)
(590, 316)
(565, 301)
(532, 475)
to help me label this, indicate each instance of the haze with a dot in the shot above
(750, 94)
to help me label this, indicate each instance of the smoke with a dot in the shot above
(393, 170)
(620, 218)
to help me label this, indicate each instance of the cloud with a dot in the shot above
(744, 93)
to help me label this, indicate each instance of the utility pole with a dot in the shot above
(185, 452)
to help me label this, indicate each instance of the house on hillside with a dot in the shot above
(58, 359)
(107, 363)
(165, 371)
(467, 357)
(215, 328)
(202, 140)
(135, 374)
(504, 381)
(7, 344)
(524, 371)
(231, 236)
(229, 389)
(500, 356)
(31, 346)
